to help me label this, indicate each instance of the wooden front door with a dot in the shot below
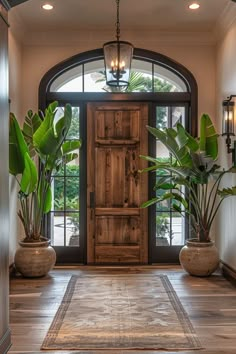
(117, 229)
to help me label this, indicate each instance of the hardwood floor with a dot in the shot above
(209, 302)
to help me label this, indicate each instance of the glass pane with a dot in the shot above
(72, 230)
(64, 218)
(57, 229)
(169, 224)
(72, 169)
(72, 193)
(165, 204)
(164, 80)
(65, 229)
(144, 67)
(162, 229)
(162, 152)
(70, 81)
(94, 76)
(161, 117)
(60, 172)
(74, 131)
(167, 81)
(58, 194)
(141, 76)
(177, 232)
(178, 115)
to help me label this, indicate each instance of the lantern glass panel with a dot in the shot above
(117, 57)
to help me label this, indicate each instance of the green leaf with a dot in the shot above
(47, 201)
(29, 178)
(165, 196)
(227, 192)
(17, 147)
(169, 138)
(165, 186)
(31, 124)
(70, 145)
(44, 138)
(181, 137)
(179, 198)
(136, 82)
(208, 137)
(69, 157)
(177, 208)
(187, 139)
(149, 202)
(63, 124)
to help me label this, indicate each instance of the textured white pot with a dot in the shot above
(34, 259)
(199, 258)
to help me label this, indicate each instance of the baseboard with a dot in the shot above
(228, 272)
(5, 342)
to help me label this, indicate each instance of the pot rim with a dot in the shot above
(43, 243)
(194, 242)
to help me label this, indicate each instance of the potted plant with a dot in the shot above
(35, 153)
(193, 188)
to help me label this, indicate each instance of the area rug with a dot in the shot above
(121, 311)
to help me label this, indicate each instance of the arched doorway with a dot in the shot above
(168, 94)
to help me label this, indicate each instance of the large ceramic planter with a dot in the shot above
(199, 258)
(34, 259)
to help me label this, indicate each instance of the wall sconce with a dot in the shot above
(228, 126)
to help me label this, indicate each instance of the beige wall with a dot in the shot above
(226, 85)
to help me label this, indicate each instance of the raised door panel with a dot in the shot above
(117, 227)
(117, 179)
(117, 230)
(116, 125)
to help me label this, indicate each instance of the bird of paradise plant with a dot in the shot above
(35, 153)
(194, 178)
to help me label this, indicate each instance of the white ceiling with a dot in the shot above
(162, 15)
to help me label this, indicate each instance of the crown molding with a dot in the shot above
(225, 21)
(68, 38)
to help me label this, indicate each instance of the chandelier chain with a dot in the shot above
(118, 20)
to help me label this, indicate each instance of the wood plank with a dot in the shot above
(122, 142)
(117, 254)
(117, 211)
(207, 301)
(125, 230)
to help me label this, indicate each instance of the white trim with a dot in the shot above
(96, 38)
(225, 21)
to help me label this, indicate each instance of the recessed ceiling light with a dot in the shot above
(47, 7)
(194, 6)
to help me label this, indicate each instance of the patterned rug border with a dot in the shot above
(194, 342)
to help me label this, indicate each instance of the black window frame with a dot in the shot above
(187, 99)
